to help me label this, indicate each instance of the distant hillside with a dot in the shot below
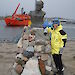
(1, 17)
(68, 21)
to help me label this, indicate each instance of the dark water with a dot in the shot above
(12, 34)
(9, 34)
(70, 30)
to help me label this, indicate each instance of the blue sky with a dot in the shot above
(58, 8)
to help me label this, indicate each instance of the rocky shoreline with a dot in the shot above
(8, 52)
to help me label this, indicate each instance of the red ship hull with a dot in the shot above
(18, 20)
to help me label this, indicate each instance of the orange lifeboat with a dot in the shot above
(18, 19)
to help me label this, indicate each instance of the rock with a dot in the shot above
(39, 48)
(15, 64)
(40, 42)
(32, 32)
(31, 67)
(30, 49)
(41, 66)
(19, 69)
(37, 54)
(26, 30)
(19, 44)
(47, 48)
(28, 54)
(29, 41)
(28, 72)
(49, 61)
(20, 56)
(25, 36)
(44, 57)
(32, 43)
(20, 59)
(25, 59)
(48, 68)
(25, 44)
(31, 37)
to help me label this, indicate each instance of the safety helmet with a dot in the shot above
(56, 21)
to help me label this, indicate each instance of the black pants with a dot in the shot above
(58, 61)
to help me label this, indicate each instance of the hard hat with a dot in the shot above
(56, 21)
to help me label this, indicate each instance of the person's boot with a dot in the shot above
(61, 73)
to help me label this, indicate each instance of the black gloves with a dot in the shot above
(45, 33)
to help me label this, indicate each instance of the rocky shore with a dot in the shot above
(8, 52)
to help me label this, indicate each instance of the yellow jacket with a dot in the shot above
(56, 39)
